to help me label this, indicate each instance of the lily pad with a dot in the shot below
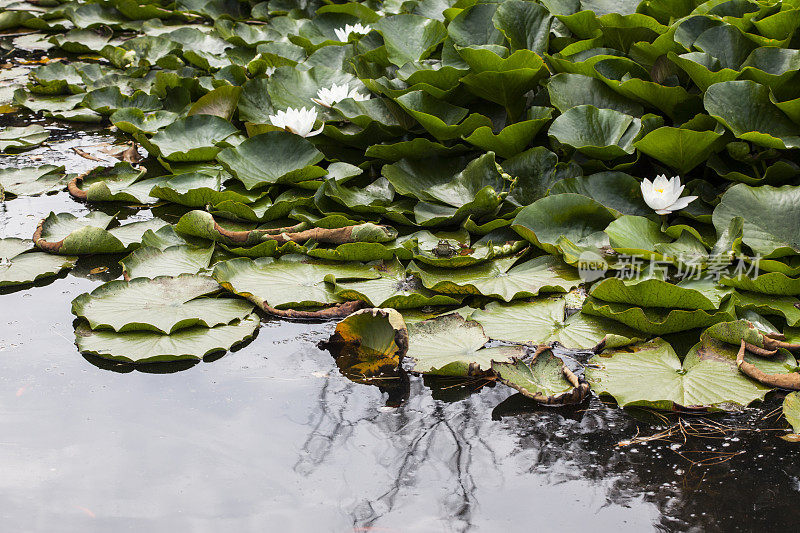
(499, 278)
(575, 217)
(791, 410)
(32, 181)
(22, 138)
(150, 347)
(192, 139)
(151, 262)
(163, 304)
(449, 345)
(395, 288)
(658, 320)
(544, 321)
(290, 282)
(66, 234)
(652, 375)
(120, 183)
(272, 157)
(545, 379)
(771, 217)
(372, 342)
(19, 264)
(598, 133)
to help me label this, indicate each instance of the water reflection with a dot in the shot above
(273, 433)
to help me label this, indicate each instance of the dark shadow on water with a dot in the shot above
(147, 368)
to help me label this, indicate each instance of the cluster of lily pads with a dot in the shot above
(432, 155)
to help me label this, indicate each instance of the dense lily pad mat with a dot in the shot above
(421, 156)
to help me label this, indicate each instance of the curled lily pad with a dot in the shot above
(163, 304)
(652, 375)
(371, 341)
(653, 292)
(449, 345)
(658, 320)
(18, 264)
(64, 233)
(151, 347)
(744, 107)
(32, 181)
(199, 189)
(775, 283)
(501, 278)
(120, 183)
(791, 410)
(202, 224)
(545, 379)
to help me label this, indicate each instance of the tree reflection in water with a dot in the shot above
(447, 453)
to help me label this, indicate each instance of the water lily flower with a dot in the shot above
(270, 71)
(663, 195)
(297, 121)
(336, 93)
(344, 33)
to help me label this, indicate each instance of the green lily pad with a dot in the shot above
(681, 149)
(449, 345)
(598, 133)
(395, 288)
(410, 37)
(132, 120)
(191, 139)
(499, 278)
(66, 234)
(163, 304)
(652, 375)
(657, 320)
(791, 410)
(771, 217)
(151, 262)
(290, 282)
(769, 283)
(199, 189)
(744, 107)
(653, 292)
(272, 157)
(544, 321)
(120, 183)
(540, 379)
(32, 181)
(22, 138)
(19, 265)
(150, 347)
(579, 219)
(787, 307)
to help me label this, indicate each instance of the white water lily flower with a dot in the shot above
(297, 121)
(336, 93)
(663, 195)
(270, 71)
(344, 33)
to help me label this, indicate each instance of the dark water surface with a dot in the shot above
(272, 437)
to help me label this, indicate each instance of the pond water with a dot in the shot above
(273, 436)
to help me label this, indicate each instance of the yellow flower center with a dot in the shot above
(660, 190)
